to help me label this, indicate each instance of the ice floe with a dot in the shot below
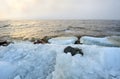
(102, 41)
(63, 40)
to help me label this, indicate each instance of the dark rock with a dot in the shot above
(77, 42)
(73, 51)
(46, 38)
(4, 43)
(6, 25)
(39, 42)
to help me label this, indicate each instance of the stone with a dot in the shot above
(46, 38)
(73, 51)
(39, 42)
(4, 43)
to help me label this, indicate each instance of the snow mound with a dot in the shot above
(25, 60)
(63, 40)
(113, 41)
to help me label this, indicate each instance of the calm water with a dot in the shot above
(23, 29)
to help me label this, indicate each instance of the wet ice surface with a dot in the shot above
(110, 41)
(63, 40)
(25, 29)
(24, 60)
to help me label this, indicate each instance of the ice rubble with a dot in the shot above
(31, 61)
(112, 41)
(24, 60)
(97, 63)
(63, 40)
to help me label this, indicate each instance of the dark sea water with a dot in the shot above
(27, 29)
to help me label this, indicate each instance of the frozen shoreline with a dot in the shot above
(25, 60)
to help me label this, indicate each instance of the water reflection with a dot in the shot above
(40, 28)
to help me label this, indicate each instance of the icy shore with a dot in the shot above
(25, 60)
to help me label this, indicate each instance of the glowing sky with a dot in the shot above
(59, 9)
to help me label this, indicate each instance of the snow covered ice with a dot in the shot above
(24, 60)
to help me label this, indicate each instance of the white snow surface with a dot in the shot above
(25, 60)
(112, 41)
(63, 40)
(6, 70)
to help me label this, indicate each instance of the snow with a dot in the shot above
(96, 64)
(24, 60)
(32, 61)
(17, 77)
(6, 70)
(102, 41)
(63, 40)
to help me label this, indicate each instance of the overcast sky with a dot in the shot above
(59, 9)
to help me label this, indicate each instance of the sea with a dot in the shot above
(27, 29)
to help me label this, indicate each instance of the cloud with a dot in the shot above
(60, 9)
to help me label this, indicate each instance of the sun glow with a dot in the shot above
(15, 8)
(82, 9)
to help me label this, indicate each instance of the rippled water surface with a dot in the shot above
(24, 29)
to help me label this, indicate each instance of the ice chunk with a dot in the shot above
(103, 41)
(17, 77)
(63, 40)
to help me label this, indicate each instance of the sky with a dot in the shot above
(60, 9)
